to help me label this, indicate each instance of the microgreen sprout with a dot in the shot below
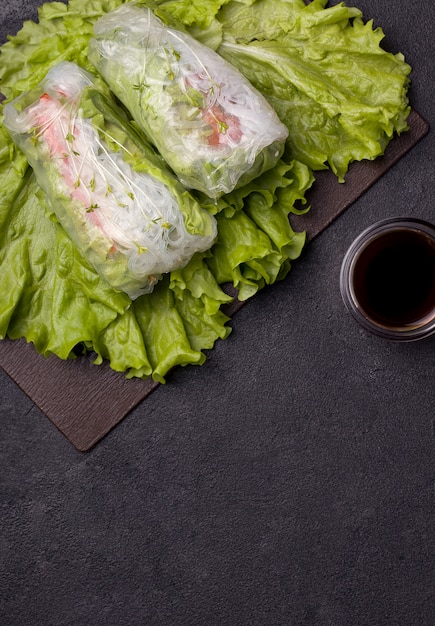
(222, 127)
(140, 249)
(34, 136)
(141, 86)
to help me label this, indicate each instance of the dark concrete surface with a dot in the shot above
(287, 482)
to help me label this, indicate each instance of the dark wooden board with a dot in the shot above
(85, 401)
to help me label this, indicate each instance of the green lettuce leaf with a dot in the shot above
(61, 34)
(255, 239)
(198, 299)
(200, 14)
(164, 332)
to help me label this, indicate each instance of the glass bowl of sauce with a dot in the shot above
(387, 279)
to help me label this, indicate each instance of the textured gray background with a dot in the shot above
(289, 481)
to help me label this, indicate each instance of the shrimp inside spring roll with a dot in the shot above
(128, 215)
(214, 129)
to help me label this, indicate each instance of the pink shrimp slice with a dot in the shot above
(225, 127)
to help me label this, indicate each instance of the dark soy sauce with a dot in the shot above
(394, 279)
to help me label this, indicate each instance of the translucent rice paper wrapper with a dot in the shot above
(127, 214)
(214, 129)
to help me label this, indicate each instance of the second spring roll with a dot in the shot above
(119, 203)
(214, 129)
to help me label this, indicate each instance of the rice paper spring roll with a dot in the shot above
(117, 200)
(214, 129)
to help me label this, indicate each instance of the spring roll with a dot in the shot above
(117, 200)
(213, 128)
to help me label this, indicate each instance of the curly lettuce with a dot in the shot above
(322, 69)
